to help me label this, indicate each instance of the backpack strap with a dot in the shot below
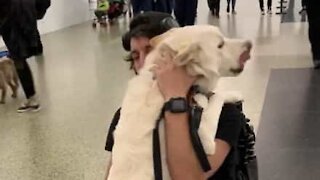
(195, 115)
(157, 164)
(194, 124)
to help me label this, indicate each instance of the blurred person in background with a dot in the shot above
(304, 7)
(214, 6)
(18, 27)
(102, 10)
(233, 6)
(313, 11)
(269, 4)
(139, 6)
(185, 12)
(165, 6)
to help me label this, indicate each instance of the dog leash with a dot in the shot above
(157, 164)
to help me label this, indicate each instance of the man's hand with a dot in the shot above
(173, 81)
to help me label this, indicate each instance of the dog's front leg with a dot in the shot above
(209, 122)
(3, 95)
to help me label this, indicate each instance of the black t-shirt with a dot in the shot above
(229, 127)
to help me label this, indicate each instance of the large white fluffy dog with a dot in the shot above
(205, 53)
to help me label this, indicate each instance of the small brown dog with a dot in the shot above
(8, 76)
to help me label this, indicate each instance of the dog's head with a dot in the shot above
(205, 52)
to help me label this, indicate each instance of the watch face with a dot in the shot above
(179, 105)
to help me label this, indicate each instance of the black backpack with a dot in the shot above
(41, 7)
(247, 166)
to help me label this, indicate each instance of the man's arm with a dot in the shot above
(182, 161)
(216, 160)
(181, 158)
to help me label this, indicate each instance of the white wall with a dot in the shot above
(64, 13)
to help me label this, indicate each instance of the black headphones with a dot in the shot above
(154, 29)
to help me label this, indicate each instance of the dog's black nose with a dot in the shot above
(248, 45)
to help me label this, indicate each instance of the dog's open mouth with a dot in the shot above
(244, 57)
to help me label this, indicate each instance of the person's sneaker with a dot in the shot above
(269, 11)
(234, 12)
(263, 13)
(30, 105)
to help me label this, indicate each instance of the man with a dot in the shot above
(175, 82)
(18, 27)
(313, 12)
(185, 12)
(102, 9)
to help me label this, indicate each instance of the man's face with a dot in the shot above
(140, 48)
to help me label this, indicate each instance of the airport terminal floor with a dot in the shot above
(81, 79)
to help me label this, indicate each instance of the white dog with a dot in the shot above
(205, 53)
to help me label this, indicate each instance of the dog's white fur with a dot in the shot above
(197, 49)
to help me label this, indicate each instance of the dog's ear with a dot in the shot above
(165, 49)
(158, 39)
(187, 54)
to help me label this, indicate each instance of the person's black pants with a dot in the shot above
(25, 77)
(303, 3)
(141, 5)
(39, 49)
(233, 4)
(186, 11)
(165, 6)
(261, 3)
(314, 37)
(314, 28)
(214, 6)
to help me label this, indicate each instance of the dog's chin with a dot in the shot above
(236, 71)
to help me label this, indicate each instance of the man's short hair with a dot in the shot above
(149, 24)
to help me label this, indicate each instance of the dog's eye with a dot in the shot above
(220, 46)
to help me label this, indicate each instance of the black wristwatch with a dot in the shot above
(176, 105)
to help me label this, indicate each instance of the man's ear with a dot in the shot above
(188, 54)
(158, 39)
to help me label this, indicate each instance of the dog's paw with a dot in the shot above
(232, 97)
(201, 100)
(2, 102)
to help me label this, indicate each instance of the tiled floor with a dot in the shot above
(81, 80)
(288, 144)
